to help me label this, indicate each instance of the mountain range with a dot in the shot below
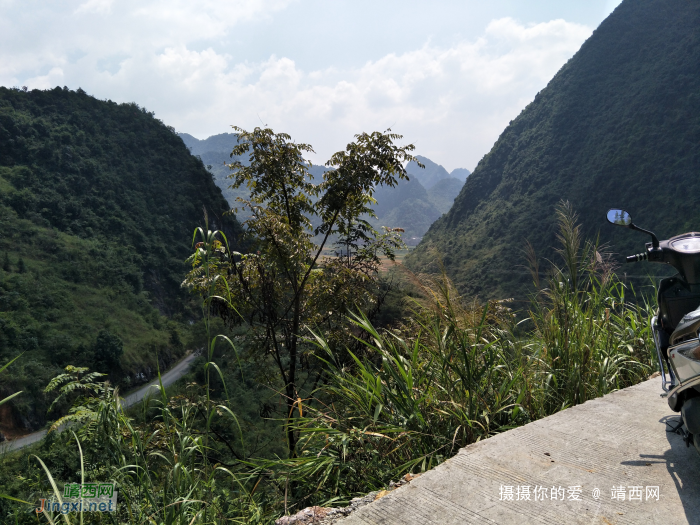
(413, 204)
(618, 126)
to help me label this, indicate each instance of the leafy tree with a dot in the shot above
(107, 351)
(85, 389)
(6, 263)
(284, 284)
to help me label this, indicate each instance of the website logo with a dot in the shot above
(85, 497)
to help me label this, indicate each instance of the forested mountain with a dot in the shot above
(618, 126)
(221, 144)
(98, 203)
(412, 205)
(415, 204)
(460, 174)
(432, 173)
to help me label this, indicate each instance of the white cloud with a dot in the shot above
(452, 101)
(95, 6)
(53, 78)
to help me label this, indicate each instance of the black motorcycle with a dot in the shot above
(676, 325)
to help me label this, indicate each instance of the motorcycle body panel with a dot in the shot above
(676, 298)
(686, 329)
(685, 360)
(691, 415)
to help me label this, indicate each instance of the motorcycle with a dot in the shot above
(676, 325)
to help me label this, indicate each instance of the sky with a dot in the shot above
(448, 75)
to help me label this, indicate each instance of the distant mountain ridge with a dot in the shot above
(221, 143)
(433, 172)
(618, 126)
(412, 205)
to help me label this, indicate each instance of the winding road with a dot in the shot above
(167, 379)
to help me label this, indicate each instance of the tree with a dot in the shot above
(284, 284)
(21, 266)
(107, 351)
(6, 263)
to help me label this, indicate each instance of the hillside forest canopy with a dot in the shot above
(97, 204)
(617, 127)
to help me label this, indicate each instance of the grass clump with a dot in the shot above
(457, 372)
(391, 400)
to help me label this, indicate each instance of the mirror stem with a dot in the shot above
(654, 240)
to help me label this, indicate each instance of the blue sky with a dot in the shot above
(448, 75)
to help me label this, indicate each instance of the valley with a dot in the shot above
(355, 323)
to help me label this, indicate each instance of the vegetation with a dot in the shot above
(618, 126)
(353, 405)
(412, 205)
(284, 284)
(97, 200)
(2, 401)
(452, 373)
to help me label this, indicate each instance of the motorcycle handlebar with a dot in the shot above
(637, 257)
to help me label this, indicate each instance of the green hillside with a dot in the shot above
(443, 193)
(429, 175)
(412, 205)
(618, 126)
(98, 202)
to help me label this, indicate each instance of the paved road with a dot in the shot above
(168, 378)
(619, 440)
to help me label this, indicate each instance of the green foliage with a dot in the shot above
(96, 203)
(458, 372)
(96, 169)
(108, 349)
(618, 126)
(408, 397)
(83, 411)
(162, 470)
(2, 401)
(284, 285)
(585, 331)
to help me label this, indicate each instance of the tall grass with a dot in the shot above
(587, 339)
(457, 372)
(453, 373)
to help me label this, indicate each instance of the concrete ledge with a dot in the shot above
(619, 440)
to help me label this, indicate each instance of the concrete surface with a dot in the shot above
(167, 378)
(617, 440)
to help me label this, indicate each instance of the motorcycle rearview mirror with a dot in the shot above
(622, 218)
(619, 217)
